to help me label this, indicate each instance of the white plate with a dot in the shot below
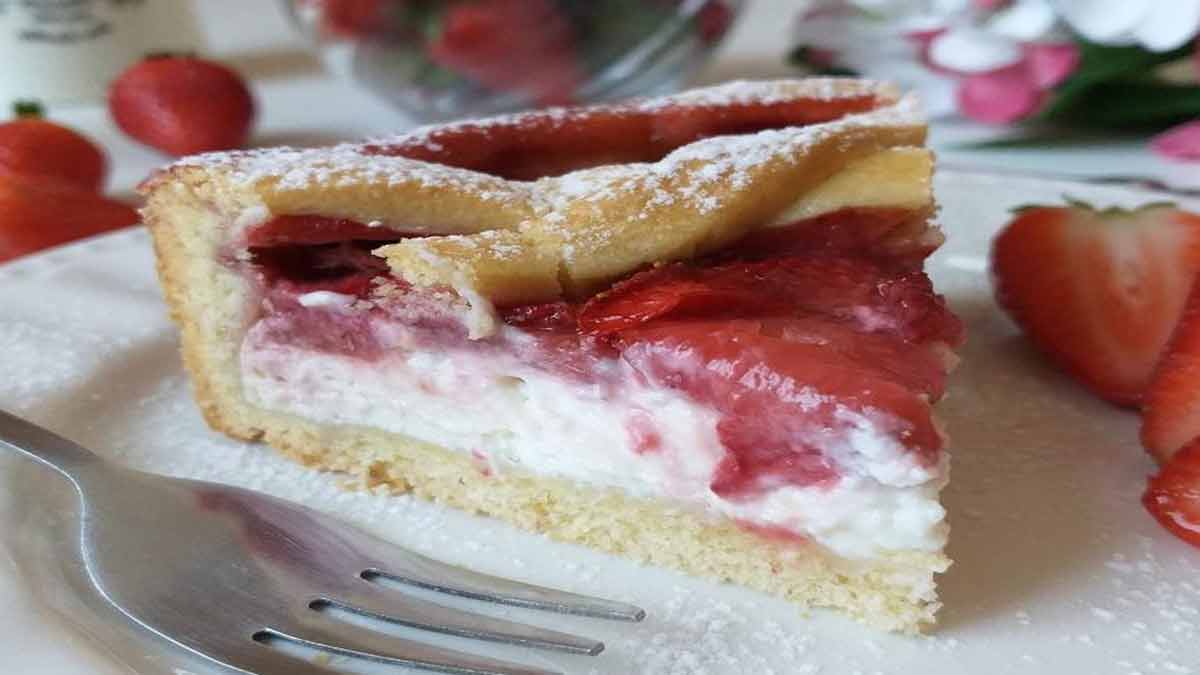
(1058, 568)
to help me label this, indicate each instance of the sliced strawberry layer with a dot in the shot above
(341, 267)
(782, 403)
(538, 144)
(868, 232)
(914, 365)
(312, 229)
(836, 343)
(798, 353)
(871, 232)
(852, 290)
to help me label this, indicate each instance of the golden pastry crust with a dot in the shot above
(600, 224)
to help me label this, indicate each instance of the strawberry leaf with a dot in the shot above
(28, 110)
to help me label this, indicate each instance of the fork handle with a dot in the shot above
(56, 452)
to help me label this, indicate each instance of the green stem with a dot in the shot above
(28, 110)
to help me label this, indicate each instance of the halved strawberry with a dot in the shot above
(1098, 291)
(1171, 410)
(1173, 496)
(309, 229)
(780, 400)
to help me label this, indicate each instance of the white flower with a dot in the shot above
(877, 43)
(1024, 21)
(1157, 25)
(973, 49)
(972, 45)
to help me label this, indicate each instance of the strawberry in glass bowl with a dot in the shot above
(442, 59)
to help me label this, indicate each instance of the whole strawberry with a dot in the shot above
(38, 214)
(182, 105)
(32, 146)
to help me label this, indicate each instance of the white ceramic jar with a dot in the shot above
(58, 51)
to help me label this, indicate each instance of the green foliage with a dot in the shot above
(1113, 89)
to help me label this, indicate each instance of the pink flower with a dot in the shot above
(1181, 142)
(1001, 96)
(1012, 93)
(1051, 64)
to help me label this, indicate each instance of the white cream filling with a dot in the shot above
(509, 414)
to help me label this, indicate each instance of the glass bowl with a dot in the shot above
(445, 59)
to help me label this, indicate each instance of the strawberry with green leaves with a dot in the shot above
(1098, 291)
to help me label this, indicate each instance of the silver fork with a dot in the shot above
(222, 571)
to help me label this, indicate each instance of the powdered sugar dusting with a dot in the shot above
(571, 213)
(571, 206)
(756, 91)
(352, 163)
(343, 166)
(730, 159)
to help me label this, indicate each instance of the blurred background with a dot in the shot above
(1011, 84)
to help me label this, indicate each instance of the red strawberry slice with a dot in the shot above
(309, 229)
(851, 290)
(544, 317)
(1171, 409)
(537, 144)
(861, 230)
(1099, 292)
(1173, 496)
(511, 45)
(917, 366)
(780, 401)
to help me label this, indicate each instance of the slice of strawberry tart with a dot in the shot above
(693, 331)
